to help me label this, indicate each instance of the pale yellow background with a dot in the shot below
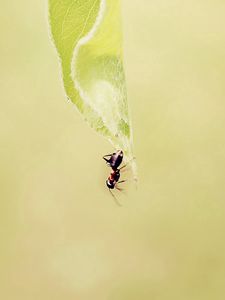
(62, 236)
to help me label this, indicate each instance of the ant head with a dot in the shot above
(110, 184)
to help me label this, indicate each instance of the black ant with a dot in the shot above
(114, 161)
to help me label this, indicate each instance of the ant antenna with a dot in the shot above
(115, 199)
(118, 188)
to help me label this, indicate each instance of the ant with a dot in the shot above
(114, 161)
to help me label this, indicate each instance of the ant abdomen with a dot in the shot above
(114, 160)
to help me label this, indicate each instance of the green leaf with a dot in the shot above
(88, 38)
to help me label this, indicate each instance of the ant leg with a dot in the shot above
(115, 199)
(126, 163)
(107, 160)
(123, 167)
(121, 181)
(107, 155)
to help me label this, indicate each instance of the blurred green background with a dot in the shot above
(62, 236)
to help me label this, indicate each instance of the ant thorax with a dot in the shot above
(114, 175)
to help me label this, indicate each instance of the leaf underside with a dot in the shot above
(88, 38)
